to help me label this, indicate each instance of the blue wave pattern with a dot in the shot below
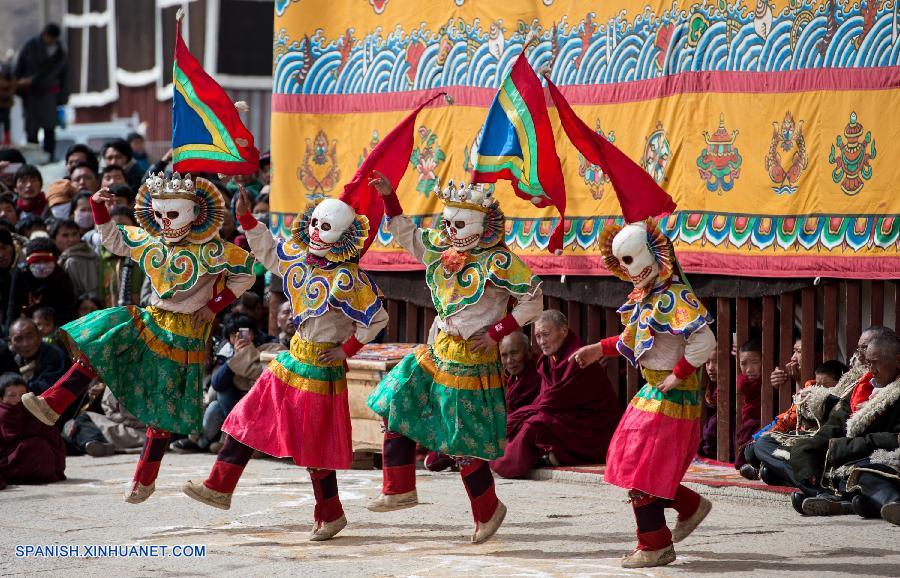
(695, 38)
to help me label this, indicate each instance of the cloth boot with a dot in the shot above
(151, 456)
(685, 502)
(479, 482)
(650, 516)
(229, 466)
(325, 488)
(69, 388)
(398, 464)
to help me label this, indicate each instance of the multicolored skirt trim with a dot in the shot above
(298, 408)
(446, 397)
(657, 438)
(151, 359)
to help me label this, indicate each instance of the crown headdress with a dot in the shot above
(174, 187)
(466, 196)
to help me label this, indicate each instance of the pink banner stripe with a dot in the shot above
(814, 79)
(844, 267)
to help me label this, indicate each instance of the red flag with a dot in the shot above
(639, 195)
(390, 157)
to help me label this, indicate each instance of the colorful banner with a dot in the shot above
(770, 123)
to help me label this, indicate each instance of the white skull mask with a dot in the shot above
(464, 227)
(175, 217)
(328, 222)
(631, 249)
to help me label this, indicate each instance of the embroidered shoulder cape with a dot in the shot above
(312, 290)
(452, 292)
(176, 268)
(669, 308)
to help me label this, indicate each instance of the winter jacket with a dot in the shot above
(83, 266)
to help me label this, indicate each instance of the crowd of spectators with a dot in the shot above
(54, 269)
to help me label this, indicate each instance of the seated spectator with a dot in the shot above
(84, 217)
(30, 227)
(139, 151)
(782, 377)
(45, 320)
(112, 175)
(87, 304)
(41, 283)
(76, 258)
(771, 451)
(39, 363)
(261, 209)
(573, 418)
(84, 177)
(252, 305)
(59, 198)
(876, 480)
(749, 383)
(228, 231)
(81, 153)
(123, 196)
(116, 272)
(30, 452)
(117, 152)
(249, 182)
(709, 433)
(286, 327)
(8, 210)
(11, 250)
(523, 384)
(103, 433)
(29, 184)
(873, 425)
(238, 366)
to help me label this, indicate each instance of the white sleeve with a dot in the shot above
(111, 237)
(365, 334)
(528, 307)
(263, 245)
(408, 235)
(700, 346)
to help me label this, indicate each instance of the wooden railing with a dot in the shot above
(840, 310)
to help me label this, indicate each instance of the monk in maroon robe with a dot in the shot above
(523, 384)
(572, 420)
(30, 452)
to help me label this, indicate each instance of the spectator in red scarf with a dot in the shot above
(29, 185)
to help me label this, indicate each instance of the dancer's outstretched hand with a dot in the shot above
(587, 355)
(381, 184)
(332, 355)
(203, 315)
(103, 197)
(669, 383)
(243, 203)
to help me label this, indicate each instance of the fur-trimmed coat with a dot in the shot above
(846, 438)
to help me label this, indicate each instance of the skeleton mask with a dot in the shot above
(464, 227)
(631, 249)
(329, 220)
(175, 217)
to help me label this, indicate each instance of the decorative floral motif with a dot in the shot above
(426, 159)
(319, 171)
(787, 140)
(452, 260)
(720, 161)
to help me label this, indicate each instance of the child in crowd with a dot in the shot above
(30, 227)
(30, 452)
(749, 384)
(87, 304)
(41, 283)
(45, 319)
(708, 439)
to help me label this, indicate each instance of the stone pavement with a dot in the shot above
(553, 529)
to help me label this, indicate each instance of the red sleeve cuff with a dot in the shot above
(352, 346)
(221, 301)
(247, 221)
(101, 213)
(392, 206)
(683, 369)
(608, 346)
(503, 328)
